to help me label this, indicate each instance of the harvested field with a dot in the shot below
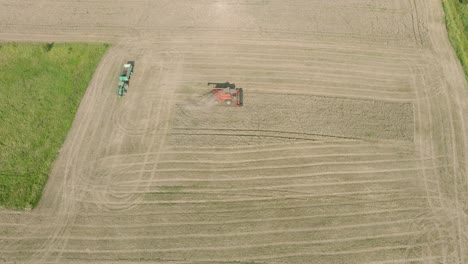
(351, 146)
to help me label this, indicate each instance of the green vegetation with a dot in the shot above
(41, 86)
(456, 16)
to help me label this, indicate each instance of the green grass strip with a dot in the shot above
(41, 86)
(456, 17)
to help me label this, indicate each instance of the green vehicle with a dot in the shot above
(124, 78)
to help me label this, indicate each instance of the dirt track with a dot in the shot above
(351, 146)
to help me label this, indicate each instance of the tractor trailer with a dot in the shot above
(124, 78)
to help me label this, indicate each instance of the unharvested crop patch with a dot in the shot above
(276, 117)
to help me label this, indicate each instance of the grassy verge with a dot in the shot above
(41, 86)
(456, 16)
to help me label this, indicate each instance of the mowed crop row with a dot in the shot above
(313, 211)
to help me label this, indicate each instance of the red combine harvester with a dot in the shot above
(227, 93)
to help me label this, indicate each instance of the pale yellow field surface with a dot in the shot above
(351, 146)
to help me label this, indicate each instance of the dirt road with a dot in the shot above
(351, 146)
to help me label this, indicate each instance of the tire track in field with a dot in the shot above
(269, 177)
(438, 107)
(243, 221)
(234, 247)
(109, 195)
(265, 207)
(235, 161)
(270, 188)
(283, 232)
(418, 120)
(130, 199)
(297, 196)
(433, 104)
(303, 165)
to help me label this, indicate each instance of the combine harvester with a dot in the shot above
(227, 94)
(125, 74)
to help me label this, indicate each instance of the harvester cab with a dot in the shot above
(124, 77)
(227, 94)
(123, 86)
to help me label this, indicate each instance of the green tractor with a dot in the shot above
(124, 78)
